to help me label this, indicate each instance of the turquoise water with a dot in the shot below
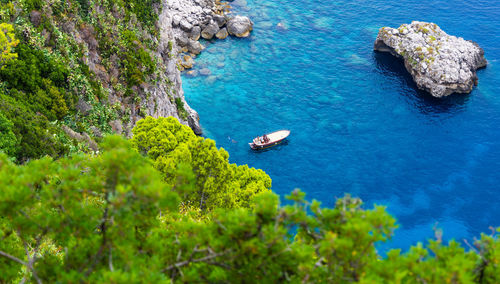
(358, 123)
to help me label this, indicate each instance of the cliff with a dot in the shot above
(83, 69)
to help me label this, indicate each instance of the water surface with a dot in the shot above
(358, 124)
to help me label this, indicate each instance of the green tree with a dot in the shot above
(7, 43)
(112, 219)
(219, 184)
(8, 140)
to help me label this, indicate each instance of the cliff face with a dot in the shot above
(162, 102)
(439, 63)
(91, 67)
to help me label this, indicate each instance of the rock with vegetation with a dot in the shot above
(84, 65)
(240, 26)
(439, 63)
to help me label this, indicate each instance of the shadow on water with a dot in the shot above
(387, 65)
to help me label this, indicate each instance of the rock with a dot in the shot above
(195, 33)
(83, 137)
(188, 62)
(210, 31)
(281, 26)
(194, 123)
(83, 107)
(96, 131)
(211, 79)
(239, 26)
(222, 33)
(220, 20)
(192, 73)
(35, 18)
(176, 19)
(439, 63)
(182, 41)
(116, 126)
(205, 72)
(194, 47)
(185, 25)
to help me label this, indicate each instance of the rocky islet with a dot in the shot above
(439, 63)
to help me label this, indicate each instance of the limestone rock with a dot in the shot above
(239, 26)
(185, 25)
(194, 47)
(220, 20)
(188, 62)
(439, 63)
(205, 72)
(210, 31)
(195, 33)
(83, 107)
(222, 33)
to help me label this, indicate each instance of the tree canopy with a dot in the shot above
(113, 218)
(7, 43)
(218, 184)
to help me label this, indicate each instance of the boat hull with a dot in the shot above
(275, 139)
(260, 147)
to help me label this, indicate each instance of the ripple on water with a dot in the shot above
(358, 123)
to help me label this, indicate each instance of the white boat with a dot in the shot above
(268, 140)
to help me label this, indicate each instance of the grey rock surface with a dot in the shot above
(195, 33)
(240, 26)
(220, 20)
(222, 33)
(210, 30)
(439, 63)
(194, 46)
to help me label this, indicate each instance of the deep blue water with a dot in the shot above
(358, 124)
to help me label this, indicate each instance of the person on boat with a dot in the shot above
(266, 139)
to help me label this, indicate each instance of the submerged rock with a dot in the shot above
(240, 26)
(205, 72)
(439, 63)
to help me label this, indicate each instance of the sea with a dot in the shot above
(358, 123)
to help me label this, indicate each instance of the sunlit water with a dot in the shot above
(358, 123)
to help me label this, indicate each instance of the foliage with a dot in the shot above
(219, 184)
(111, 218)
(183, 114)
(7, 43)
(35, 135)
(8, 140)
(136, 61)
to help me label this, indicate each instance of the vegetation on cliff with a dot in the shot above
(77, 63)
(125, 215)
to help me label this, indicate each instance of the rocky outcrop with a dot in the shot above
(240, 26)
(162, 96)
(207, 19)
(439, 63)
(182, 23)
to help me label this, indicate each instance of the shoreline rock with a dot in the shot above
(239, 26)
(439, 63)
(182, 24)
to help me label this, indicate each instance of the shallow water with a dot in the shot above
(358, 124)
